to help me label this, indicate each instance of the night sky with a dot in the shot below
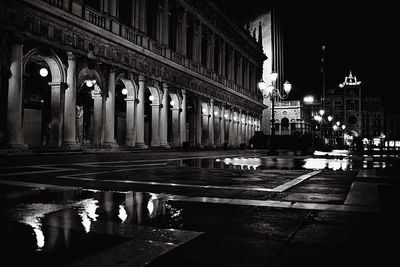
(358, 36)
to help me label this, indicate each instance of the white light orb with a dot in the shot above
(124, 91)
(215, 113)
(43, 72)
(89, 83)
(151, 98)
(172, 103)
(203, 110)
(226, 116)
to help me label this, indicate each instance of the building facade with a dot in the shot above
(372, 116)
(292, 118)
(344, 104)
(138, 73)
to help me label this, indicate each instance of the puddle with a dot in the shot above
(52, 226)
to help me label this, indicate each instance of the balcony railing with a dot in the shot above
(111, 24)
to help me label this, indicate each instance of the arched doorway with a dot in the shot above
(152, 116)
(89, 108)
(284, 126)
(43, 86)
(125, 111)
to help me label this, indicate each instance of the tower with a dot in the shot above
(351, 91)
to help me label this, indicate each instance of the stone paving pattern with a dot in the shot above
(196, 226)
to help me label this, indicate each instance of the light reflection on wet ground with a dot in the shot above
(63, 222)
(338, 161)
(55, 226)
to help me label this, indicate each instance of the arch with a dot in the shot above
(130, 86)
(155, 92)
(43, 122)
(205, 108)
(176, 98)
(85, 73)
(57, 69)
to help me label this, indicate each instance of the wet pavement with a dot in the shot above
(223, 208)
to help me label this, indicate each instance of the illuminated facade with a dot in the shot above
(271, 34)
(345, 105)
(292, 118)
(137, 73)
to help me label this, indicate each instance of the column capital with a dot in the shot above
(129, 99)
(183, 91)
(62, 85)
(71, 55)
(211, 101)
(165, 85)
(142, 78)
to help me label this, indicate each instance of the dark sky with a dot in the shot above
(358, 36)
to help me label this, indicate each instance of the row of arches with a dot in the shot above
(76, 102)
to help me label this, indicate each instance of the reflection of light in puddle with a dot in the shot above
(122, 213)
(151, 204)
(87, 211)
(31, 215)
(321, 163)
(243, 163)
(334, 153)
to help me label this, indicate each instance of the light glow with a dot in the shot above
(43, 72)
(122, 213)
(151, 98)
(124, 91)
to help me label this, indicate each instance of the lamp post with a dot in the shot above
(271, 92)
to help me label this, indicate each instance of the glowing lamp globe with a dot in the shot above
(43, 72)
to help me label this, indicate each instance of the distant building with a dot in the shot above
(392, 125)
(344, 104)
(372, 117)
(292, 118)
(271, 37)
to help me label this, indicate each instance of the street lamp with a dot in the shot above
(272, 92)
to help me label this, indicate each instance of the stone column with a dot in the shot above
(112, 7)
(198, 43)
(222, 126)
(104, 5)
(15, 101)
(165, 26)
(184, 34)
(182, 118)
(97, 116)
(217, 127)
(142, 16)
(140, 114)
(155, 125)
(198, 123)
(232, 131)
(211, 52)
(205, 128)
(223, 44)
(233, 66)
(133, 13)
(130, 121)
(175, 125)
(211, 124)
(164, 118)
(109, 138)
(57, 113)
(70, 104)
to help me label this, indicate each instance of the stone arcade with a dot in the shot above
(138, 73)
